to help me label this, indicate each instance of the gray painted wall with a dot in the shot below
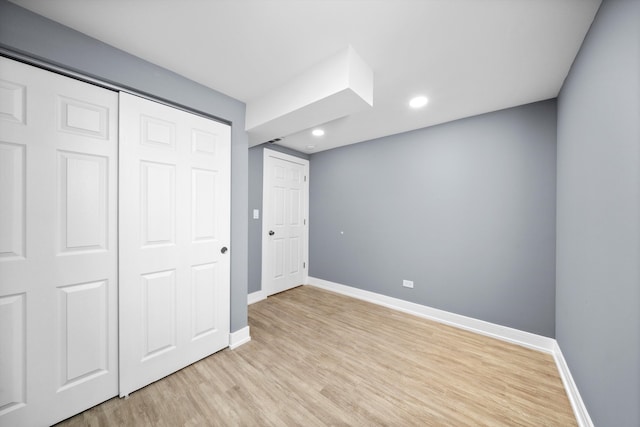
(255, 202)
(598, 246)
(24, 32)
(465, 209)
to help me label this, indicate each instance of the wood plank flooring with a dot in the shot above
(321, 359)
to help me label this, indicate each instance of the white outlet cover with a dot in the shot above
(256, 214)
(407, 283)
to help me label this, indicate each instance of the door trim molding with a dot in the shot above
(305, 246)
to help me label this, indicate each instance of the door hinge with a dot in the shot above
(304, 265)
(305, 178)
(304, 221)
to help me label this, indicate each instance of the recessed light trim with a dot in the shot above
(418, 101)
(317, 132)
(310, 147)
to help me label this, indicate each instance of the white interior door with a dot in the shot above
(174, 235)
(284, 222)
(58, 260)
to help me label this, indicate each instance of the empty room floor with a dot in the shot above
(317, 358)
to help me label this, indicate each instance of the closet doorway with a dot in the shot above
(114, 254)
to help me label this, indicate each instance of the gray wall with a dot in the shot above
(598, 247)
(465, 209)
(255, 202)
(24, 32)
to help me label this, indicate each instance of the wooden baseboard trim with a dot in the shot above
(515, 336)
(239, 337)
(579, 408)
(256, 296)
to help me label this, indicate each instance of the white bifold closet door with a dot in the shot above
(58, 248)
(174, 237)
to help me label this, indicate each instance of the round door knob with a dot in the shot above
(224, 250)
(271, 232)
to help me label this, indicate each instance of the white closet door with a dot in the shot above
(58, 290)
(174, 235)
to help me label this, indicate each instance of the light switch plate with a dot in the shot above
(256, 214)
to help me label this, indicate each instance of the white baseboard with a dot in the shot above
(239, 337)
(256, 296)
(579, 409)
(504, 333)
(515, 336)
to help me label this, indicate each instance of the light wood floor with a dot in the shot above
(318, 358)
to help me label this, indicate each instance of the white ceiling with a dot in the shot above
(468, 56)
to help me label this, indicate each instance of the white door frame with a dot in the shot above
(266, 201)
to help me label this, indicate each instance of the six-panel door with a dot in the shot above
(174, 236)
(284, 230)
(58, 247)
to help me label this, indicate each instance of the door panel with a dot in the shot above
(203, 200)
(58, 261)
(84, 339)
(13, 336)
(159, 313)
(203, 301)
(285, 203)
(12, 198)
(174, 221)
(158, 195)
(83, 202)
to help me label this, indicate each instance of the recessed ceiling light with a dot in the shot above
(317, 132)
(418, 102)
(310, 147)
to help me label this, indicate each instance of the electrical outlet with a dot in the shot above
(407, 283)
